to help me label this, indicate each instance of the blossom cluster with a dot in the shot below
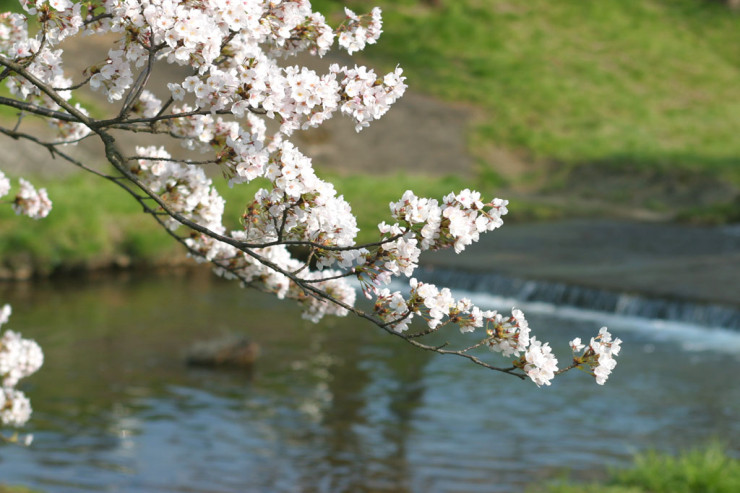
(359, 31)
(40, 60)
(19, 358)
(598, 355)
(458, 221)
(539, 362)
(185, 189)
(28, 201)
(303, 204)
(509, 336)
(198, 33)
(302, 207)
(425, 224)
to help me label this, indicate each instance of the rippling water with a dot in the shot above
(338, 406)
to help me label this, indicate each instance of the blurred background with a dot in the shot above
(617, 109)
(613, 128)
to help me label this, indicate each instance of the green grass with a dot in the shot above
(704, 470)
(93, 221)
(10, 6)
(646, 82)
(4, 488)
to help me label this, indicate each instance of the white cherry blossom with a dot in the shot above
(15, 407)
(31, 202)
(19, 358)
(237, 100)
(539, 363)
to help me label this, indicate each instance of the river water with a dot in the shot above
(338, 406)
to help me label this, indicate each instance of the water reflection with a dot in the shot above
(329, 408)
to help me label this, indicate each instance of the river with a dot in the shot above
(338, 406)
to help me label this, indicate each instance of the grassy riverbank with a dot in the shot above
(707, 470)
(628, 108)
(16, 489)
(93, 223)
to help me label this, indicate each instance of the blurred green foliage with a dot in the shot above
(703, 470)
(616, 84)
(10, 6)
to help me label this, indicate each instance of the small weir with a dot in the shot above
(562, 294)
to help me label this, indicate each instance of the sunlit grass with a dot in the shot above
(652, 83)
(10, 6)
(94, 221)
(91, 220)
(703, 470)
(621, 82)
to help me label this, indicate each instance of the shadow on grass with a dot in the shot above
(688, 188)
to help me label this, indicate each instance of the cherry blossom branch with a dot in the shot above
(235, 87)
(189, 162)
(20, 70)
(138, 87)
(122, 123)
(115, 159)
(37, 110)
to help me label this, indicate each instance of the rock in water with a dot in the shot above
(231, 351)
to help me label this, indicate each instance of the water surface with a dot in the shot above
(338, 406)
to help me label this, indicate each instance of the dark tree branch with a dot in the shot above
(36, 110)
